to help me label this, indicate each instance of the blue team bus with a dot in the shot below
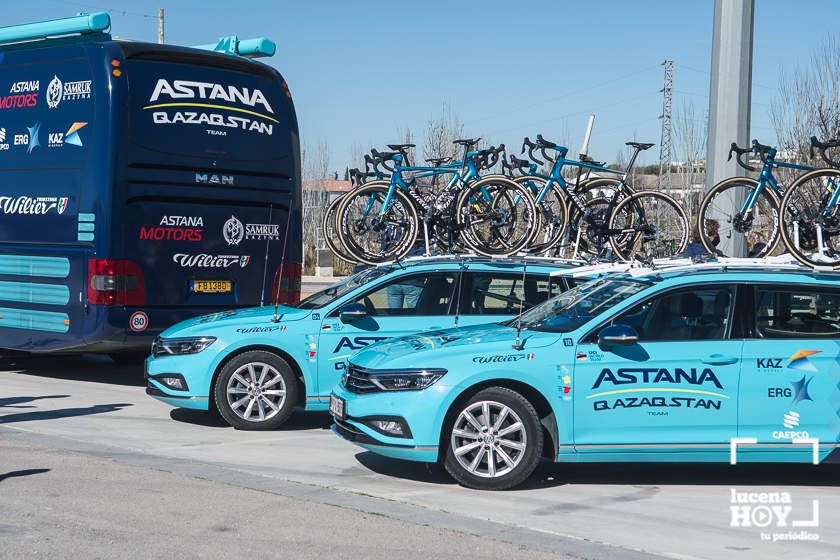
(140, 184)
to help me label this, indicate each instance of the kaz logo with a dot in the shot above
(798, 361)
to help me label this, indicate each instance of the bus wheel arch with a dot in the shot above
(548, 419)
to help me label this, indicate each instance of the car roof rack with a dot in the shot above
(780, 263)
(474, 257)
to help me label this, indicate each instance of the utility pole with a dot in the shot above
(729, 108)
(665, 140)
(160, 25)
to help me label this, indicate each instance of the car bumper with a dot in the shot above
(195, 369)
(422, 443)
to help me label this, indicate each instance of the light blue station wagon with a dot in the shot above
(707, 362)
(255, 365)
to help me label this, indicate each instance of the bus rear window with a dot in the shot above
(202, 111)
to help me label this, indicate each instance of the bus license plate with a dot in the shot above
(212, 286)
(337, 407)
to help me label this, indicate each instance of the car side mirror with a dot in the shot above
(352, 312)
(617, 335)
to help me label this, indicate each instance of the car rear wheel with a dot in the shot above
(494, 440)
(256, 391)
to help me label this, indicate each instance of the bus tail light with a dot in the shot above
(286, 287)
(115, 282)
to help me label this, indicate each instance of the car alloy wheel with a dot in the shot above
(256, 392)
(493, 441)
(489, 439)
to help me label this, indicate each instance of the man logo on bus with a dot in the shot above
(233, 231)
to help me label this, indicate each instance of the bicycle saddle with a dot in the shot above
(439, 161)
(399, 147)
(467, 141)
(639, 145)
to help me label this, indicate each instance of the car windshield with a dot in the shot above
(572, 309)
(339, 289)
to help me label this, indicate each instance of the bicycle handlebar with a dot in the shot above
(530, 146)
(822, 147)
(740, 154)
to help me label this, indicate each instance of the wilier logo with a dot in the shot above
(772, 510)
(233, 231)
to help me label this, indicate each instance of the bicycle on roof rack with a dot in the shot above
(756, 204)
(602, 211)
(381, 220)
(810, 212)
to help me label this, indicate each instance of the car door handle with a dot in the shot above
(719, 359)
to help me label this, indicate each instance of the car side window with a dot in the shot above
(492, 293)
(700, 313)
(428, 294)
(797, 312)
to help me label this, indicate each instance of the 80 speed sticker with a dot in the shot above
(138, 322)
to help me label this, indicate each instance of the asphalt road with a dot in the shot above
(90, 466)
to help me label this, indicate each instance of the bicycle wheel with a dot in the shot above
(552, 215)
(497, 216)
(373, 233)
(720, 218)
(587, 229)
(810, 230)
(328, 228)
(649, 223)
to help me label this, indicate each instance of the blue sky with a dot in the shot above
(361, 71)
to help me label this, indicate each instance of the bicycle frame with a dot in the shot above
(766, 177)
(462, 173)
(555, 177)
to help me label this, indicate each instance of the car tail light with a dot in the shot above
(115, 282)
(286, 288)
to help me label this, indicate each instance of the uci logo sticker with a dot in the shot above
(138, 322)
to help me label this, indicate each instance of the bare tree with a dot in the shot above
(808, 102)
(690, 132)
(315, 163)
(406, 136)
(441, 132)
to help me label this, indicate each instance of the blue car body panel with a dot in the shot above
(679, 400)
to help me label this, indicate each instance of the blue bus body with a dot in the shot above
(140, 185)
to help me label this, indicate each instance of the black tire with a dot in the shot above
(552, 216)
(129, 358)
(714, 220)
(525, 460)
(595, 195)
(499, 226)
(395, 233)
(328, 227)
(668, 233)
(801, 214)
(259, 390)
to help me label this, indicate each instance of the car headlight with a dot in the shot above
(180, 346)
(409, 380)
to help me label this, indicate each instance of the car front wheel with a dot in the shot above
(256, 391)
(495, 440)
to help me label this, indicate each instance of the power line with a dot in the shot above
(119, 11)
(566, 94)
